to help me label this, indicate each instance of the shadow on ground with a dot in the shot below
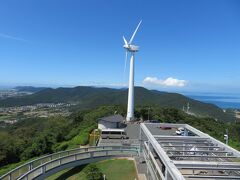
(69, 173)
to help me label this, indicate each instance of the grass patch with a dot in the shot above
(114, 169)
(118, 169)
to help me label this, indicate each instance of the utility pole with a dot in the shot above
(148, 112)
(188, 107)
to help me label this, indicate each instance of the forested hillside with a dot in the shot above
(90, 97)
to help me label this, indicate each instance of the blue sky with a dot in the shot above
(62, 43)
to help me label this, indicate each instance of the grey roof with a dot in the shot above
(114, 118)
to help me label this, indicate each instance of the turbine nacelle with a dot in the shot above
(128, 45)
(131, 48)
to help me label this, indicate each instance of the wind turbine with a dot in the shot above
(132, 49)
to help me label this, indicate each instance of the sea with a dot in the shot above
(223, 101)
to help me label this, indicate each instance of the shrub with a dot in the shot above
(93, 172)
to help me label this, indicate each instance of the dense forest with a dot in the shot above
(34, 137)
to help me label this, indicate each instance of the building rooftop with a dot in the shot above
(114, 118)
(191, 155)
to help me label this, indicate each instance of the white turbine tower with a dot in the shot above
(131, 49)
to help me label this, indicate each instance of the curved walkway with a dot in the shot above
(47, 165)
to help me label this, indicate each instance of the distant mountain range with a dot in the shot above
(89, 97)
(29, 89)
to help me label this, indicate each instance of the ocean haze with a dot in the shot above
(221, 100)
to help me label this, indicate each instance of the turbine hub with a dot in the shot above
(131, 48)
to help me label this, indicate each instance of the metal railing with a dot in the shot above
(46, 163)
(153, 166)
(171, 170)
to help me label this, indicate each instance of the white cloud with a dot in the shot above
(165, 82)
(11, 37)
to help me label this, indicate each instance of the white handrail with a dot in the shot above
(43, 166)
(51, 156)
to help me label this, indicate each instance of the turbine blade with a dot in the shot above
(135, 32)
(125, 41)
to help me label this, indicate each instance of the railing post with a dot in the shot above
(166, 174)
(91, 154)
(140, 139)
(30, 166)
(148, 149)
(43, 169)
(75, 157)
